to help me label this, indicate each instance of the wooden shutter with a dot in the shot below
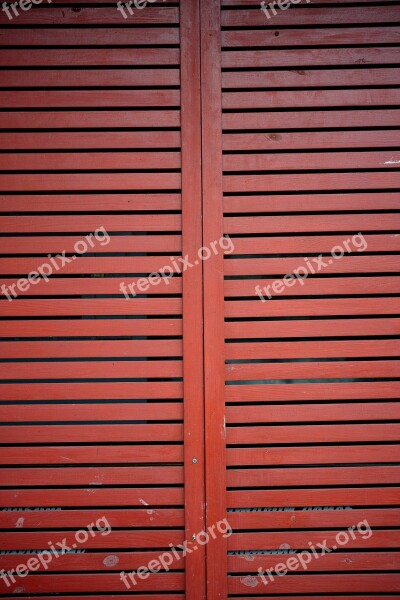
(100, 127)
(300, 153)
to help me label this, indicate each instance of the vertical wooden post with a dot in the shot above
(213, 295)
(192, 296)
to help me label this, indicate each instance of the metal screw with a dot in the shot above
(194, 460)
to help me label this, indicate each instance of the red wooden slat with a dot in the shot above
(85, 476)
(310, 392)
(91, 433)
(80, 518)
(92, 349)
(316, 181)
(300, 539)
(95, 582)
(316, 36)
(361, 496)
(81, 497)
(91, 223)
(366, 583)
(87, 78)
(86, 327)
(265, 477)
(306, 78)
(83, 99)
(312, 160)
(312, 328)
(89, 119)
(313, 433)
(84, 161)
(89, 203)
(89, 412)
(312, 455)
(92, 181)
(93, 285)
(312, 140)
(306, 58)
(332, 286)
(302, 308)
(307, 98)
(284, 120)
(93, 36)
(312, 16)
(92, 391)
(304, 519)
(63, 308)
(374, 411)
(99, 561)
(70, 455)
(309, 370)
(94, 16)
(346, 561)
(334, 349)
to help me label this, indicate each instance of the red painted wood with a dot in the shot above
(92, 476)
(93, 497)
(94, 36)
(284, 120)
(305, 58)
(315, 36)
(365, 583)
(83, 99)
(90, 203)
(304, 519)
(123, 327)
(315, 328)
(361, 496)
(74, 455)
(92, 391)
(93, 348)
(305, 350)
(347, 561)
(318, 412)
(301, 455)
(310, 370)
(96, 582)
(192, 240)
(295, 434)
(89, 412)
(215, 478)
(311, 392)
(95, 16)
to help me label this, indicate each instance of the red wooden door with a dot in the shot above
(300, 168)
(102, 376)
(131, 139)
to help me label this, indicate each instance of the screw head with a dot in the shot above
(194, 460)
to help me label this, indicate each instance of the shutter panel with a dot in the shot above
(100, 127)
(299, 156)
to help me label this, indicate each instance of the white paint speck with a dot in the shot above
(20, 523)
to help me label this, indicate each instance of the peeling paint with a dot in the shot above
(392, 161)
(248, 557)
(20, 522)
(249, 581)
(111, 561)
(284, 547)
(143, 502)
